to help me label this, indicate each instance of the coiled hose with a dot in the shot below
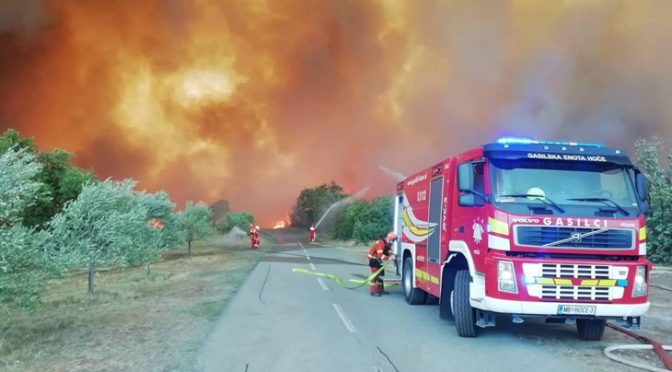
(661, 351)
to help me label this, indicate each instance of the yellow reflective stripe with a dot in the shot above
(642, 233)
(419, 274)
(498, 227)
(423, 275)
(413, 228)
(584, 282)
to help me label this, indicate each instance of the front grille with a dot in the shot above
(561, 237)
(551, 292)
(574, 271)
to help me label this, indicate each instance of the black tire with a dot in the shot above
(414, 296)
(445, 310)
(465, 316)
(590, 329)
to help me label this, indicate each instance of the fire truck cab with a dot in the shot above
(527, 228)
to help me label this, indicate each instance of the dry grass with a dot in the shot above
(134, 322)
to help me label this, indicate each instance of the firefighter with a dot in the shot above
(312, 233)
(380, 251)
(253, 233)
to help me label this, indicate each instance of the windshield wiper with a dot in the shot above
(543, 198)
(606, 201)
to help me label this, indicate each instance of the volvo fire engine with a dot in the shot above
(527, 228)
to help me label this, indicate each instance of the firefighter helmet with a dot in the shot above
(256, 227)
(391, 236)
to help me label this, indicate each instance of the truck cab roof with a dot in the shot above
(559, 151)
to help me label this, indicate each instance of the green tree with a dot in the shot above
(61, 181)
(101, 227)
(24, 263)
(344, 227)
(375, 221)
(659, 228)
(313, 202)
(162, 230)
(241, 220)
(195, 223)
(18, 188)
(11, 139)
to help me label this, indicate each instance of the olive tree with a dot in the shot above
(162, 230)
(195, 223)
(24, 262)
(102, 226)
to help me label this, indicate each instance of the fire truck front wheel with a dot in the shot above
(590, 329)
(414, 296)
(465, 316)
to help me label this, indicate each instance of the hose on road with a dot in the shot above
(661, 350)
(339, 280)
(608, 352)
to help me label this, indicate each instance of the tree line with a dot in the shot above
(55, 218)
(359, 219)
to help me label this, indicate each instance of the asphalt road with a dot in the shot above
(284, 321)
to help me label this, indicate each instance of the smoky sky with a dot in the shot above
(253, 101)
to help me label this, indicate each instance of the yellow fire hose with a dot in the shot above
(360, 282)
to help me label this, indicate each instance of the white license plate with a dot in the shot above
(576, 310)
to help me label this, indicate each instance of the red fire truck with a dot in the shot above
(527, 228)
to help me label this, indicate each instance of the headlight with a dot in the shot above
(506, 277)
(640, 287)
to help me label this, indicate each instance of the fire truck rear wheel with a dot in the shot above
(590, 329)
(465, 316)
(414, 296)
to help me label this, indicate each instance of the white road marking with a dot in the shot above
(312, 267)
(322, 284)
(344, 318)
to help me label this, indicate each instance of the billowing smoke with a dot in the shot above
(251, 101)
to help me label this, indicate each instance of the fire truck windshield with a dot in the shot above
(580, 188)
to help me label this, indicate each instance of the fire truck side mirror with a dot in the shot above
(465, 177)
(642, 187)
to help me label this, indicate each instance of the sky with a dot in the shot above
(252, 101)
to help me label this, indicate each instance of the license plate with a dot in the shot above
(576, 310)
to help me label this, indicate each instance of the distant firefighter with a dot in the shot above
(253, 233)
(312, 233)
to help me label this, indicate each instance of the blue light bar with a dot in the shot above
(528, 141)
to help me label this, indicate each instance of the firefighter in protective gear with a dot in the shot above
(253, 233)
(312, 233)
(380, 251)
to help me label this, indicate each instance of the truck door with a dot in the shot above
(469, 218)
(434, 239)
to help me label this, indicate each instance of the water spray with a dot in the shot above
(342, 202)
(396, 175)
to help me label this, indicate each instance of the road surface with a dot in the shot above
(284, 321)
